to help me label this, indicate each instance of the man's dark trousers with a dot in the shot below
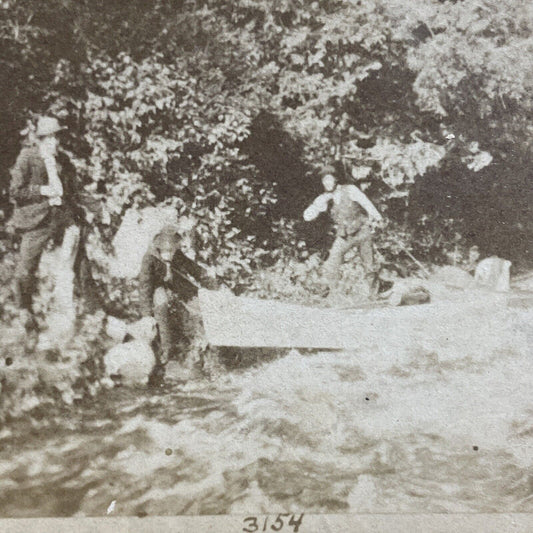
(32, 245)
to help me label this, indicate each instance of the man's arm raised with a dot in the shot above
(320, 205)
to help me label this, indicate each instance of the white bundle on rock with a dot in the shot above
(131, 361)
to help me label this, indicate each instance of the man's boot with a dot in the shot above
(157, 376)
(23, 299)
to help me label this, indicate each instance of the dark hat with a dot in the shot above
(169, 230)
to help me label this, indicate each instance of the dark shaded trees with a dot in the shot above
(226, 109)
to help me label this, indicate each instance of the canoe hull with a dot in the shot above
(250, 322)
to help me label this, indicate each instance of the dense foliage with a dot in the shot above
(225, 109)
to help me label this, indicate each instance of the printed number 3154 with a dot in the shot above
(253, 523)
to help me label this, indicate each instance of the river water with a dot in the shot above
(440, 424)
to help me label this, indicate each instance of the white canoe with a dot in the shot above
(251, 322)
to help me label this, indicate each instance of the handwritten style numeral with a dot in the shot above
(279, 521)
(252, 526)
(296, 523)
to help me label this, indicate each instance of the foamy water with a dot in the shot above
(441, 422)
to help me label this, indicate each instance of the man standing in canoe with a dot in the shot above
(354, 216)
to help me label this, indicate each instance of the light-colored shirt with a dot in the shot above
(53, 178)
(320, 204)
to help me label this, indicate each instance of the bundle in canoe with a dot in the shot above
(251, 322)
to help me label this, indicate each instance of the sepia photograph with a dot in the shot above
(266, 265)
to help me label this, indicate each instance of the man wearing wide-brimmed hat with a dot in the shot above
(37, 191)
(353, 215)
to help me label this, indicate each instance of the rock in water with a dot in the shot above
(133, 360)
(494, 273)
(407, 292)
(415, 296)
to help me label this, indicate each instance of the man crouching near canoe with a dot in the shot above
(354, 216)
(167, 282)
